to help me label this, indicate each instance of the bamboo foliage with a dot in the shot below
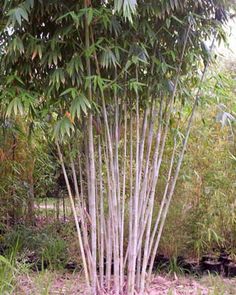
(112, 89)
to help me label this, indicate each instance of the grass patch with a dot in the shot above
(218, 285)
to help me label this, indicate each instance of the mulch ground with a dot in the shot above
(177, 286)
(71, 284)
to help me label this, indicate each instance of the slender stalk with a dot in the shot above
(82, 192)
(134, 234)
(179, 163)
(147, 160)
(115, 185)
(164, 197)
(157, 164)
(101, 216)
(131, 187)
(92, 203)
(110, 221)
(123, 200)
(144, 193)
(81, 213)
(156, 169)
(138, 269)
(75, 216)
(91, 162)
(118, 193)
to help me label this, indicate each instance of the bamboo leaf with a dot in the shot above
(63, 127)
(128, 7)
(90, 15)
(30, 3)
(23, 13)
(18, 17)
(177, 19)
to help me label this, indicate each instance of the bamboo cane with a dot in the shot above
(75, 216)
(179, 163)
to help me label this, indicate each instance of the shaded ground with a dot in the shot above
(70, 284)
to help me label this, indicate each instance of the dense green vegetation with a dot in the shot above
(115, 110)
(204, 202)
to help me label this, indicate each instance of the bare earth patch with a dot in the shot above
(177, 286)
(70, 284)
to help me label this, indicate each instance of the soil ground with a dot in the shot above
(49, 283)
